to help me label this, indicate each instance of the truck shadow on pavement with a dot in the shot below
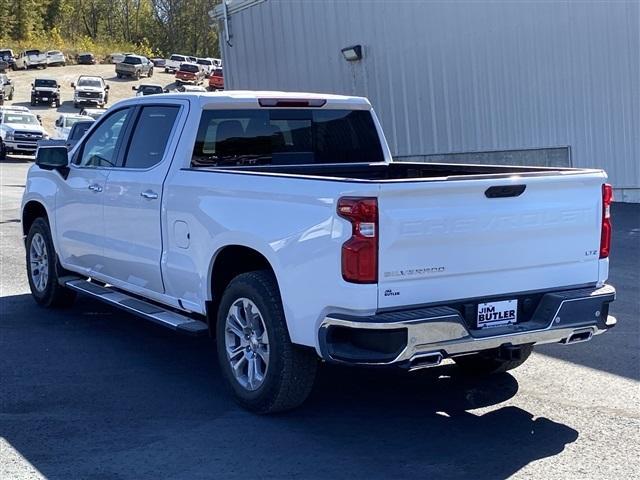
(92, 392)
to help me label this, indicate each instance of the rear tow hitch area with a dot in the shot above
(510, 353)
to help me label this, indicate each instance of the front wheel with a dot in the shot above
(150, 73)
(42, 269)
(264, 370)
(489, 362)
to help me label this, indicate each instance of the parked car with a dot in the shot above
(6, 88)
(279, 223)
(191, 88)
(207, 65)
(148, 89)
(7, 55)
(134, 66)
(94, 113)
(20, 132)
(216, 80)
(78, 130)
(90, 90)
(189, 73)
(173, 63)
(86, 59)
(56, 57)
(158, 62)
(45, 90)
(119, 57)
(64, 123)
(30, 59)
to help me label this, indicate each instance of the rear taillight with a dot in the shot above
(360, 252)
(605, 236)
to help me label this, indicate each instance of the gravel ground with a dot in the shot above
(92, 392)
(120, 88)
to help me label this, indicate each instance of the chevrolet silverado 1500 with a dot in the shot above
(279, 223)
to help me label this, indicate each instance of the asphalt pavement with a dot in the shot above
(94, 393)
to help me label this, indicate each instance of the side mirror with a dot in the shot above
(106, 87)
(8, 82)
(165, 90)
(135, 87)
(53, 158)
(73, 84)
(58, 123)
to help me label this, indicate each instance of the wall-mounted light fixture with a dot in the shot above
(352, 54)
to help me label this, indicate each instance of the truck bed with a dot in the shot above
(397, 171)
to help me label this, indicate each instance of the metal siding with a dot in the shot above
(463, 76)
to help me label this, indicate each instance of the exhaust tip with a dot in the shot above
(425, 360)
(578, 337)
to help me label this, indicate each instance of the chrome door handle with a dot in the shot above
(149, 194)
(95, 188)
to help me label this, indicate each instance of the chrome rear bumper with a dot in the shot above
(434, 333)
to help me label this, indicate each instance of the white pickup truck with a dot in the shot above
(279, 223)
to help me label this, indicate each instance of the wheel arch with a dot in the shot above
(227, 263)
(32, 209)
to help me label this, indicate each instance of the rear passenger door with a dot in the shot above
(133, 198)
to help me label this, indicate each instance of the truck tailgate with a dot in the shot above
(446, 240)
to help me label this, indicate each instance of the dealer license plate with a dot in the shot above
(495, 314)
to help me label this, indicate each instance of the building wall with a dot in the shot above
(450, 77)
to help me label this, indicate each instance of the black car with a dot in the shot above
(45, 90)
(148, 89)
(8, 57)
(86, 59)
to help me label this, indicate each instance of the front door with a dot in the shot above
(133, 200)
(80, 199)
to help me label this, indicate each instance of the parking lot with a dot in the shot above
(119, 88)
(92, 392)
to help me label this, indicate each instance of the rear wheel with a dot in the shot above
(43, 270)
(489, 362)
(3, 151)
(264, 370)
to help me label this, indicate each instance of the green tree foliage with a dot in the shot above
(160, 26)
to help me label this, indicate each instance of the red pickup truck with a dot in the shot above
(190, 73)
(216, 80)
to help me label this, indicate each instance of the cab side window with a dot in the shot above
(150, 136)
(101, 147)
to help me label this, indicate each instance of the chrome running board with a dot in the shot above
(144, 309)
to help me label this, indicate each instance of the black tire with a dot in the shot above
(289, 377)
(11, 95)
(489, 362)
(150, 73)
(75, 105)
(118, 75)
(50, 294)
(33, 102)
(3, 152)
